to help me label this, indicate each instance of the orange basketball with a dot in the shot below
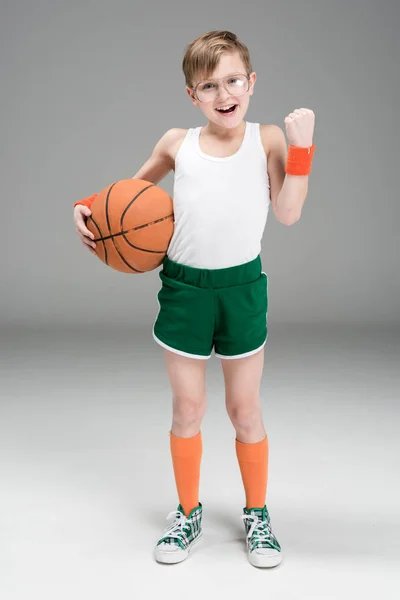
(132, 222)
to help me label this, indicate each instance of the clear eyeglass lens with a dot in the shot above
(236, 86)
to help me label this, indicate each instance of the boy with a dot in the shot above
(214, 293)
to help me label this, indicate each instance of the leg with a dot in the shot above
(187, 379)
(242, 386)
(242, 337)
(184, 327)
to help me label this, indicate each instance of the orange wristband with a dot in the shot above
(86, 201)
(299, 160)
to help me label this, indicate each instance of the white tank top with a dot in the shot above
(220, 203)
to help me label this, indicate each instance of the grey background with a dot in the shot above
(87, 89)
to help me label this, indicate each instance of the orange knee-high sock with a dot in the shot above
(186, 458)
(253, 463)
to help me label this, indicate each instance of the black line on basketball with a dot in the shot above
(100, 239)
(151, 223)
(112, 237)
(141, 226)
(106, 207)
(135, 229)
(131, 202)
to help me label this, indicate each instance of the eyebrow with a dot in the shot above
(214, 78)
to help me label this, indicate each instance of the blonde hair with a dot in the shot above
(202, 55)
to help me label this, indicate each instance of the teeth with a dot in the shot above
(225, 107)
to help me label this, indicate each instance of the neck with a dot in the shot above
(224, 133)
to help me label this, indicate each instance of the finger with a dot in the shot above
(81, 228)
(82, 208)
(87, 240)
(88, 246)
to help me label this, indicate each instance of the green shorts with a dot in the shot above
(201, 309)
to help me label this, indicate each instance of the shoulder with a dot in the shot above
(272, 138)
(173, 135)
(171, 141)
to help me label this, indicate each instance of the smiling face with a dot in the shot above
(229, 64)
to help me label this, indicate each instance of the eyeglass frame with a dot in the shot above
(194, 89)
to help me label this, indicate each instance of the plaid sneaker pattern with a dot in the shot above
(184, 530)
(258, 529)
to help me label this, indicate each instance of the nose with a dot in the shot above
(222, 92)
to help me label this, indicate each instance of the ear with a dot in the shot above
(252, 80)
(192, 96)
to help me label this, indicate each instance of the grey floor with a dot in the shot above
(87, 482)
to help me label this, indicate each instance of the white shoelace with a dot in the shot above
(261, 529)
(179, 524)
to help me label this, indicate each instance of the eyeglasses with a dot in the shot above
(236, 85)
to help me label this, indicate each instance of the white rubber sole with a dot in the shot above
(263, 560)
(177, 556)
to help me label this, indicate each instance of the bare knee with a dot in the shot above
(188, 413)
(244, 416)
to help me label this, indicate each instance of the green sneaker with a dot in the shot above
(180, 537)
(263, 549)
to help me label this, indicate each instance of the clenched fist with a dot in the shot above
(300, 127)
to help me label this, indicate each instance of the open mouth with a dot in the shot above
(229, 110)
